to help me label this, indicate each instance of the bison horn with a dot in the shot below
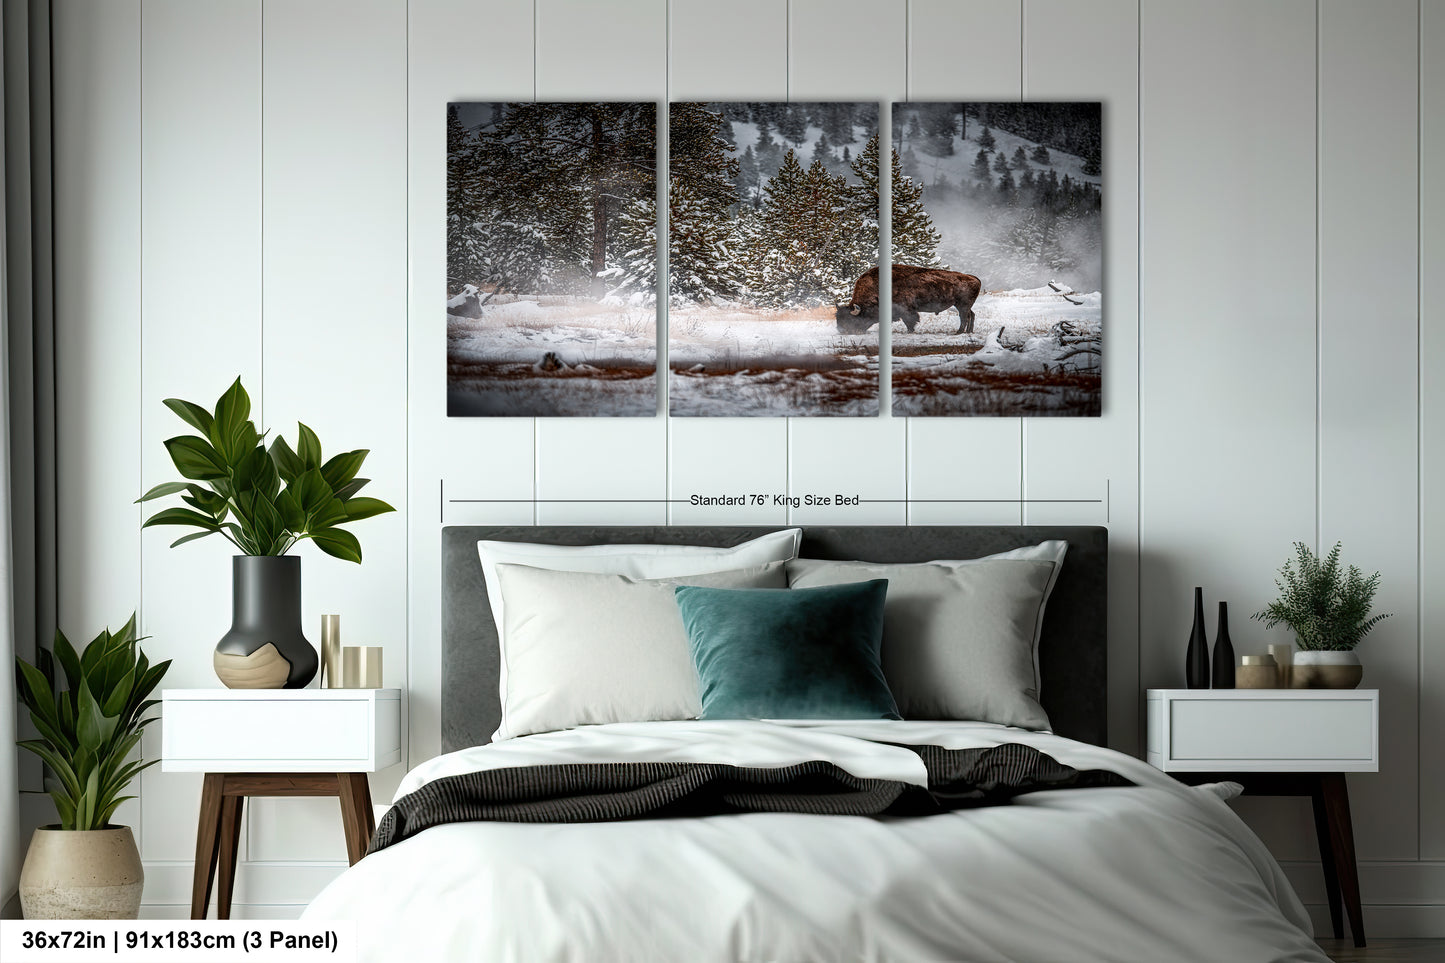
(854, 310)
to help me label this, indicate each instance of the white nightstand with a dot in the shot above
(275, 742)
(1278, 742)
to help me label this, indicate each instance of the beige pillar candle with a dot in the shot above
(331, 652)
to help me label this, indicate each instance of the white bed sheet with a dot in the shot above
(1158, 872)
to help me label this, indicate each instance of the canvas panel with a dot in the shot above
(773, 217)
(997, 259)
(551, 259)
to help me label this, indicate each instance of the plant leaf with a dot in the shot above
(181, 516)
(341, 468)
(308, 447)
(195, 458)
(288, 464)
(191, 413)
(338, 543)
(192, 537)
(349, 490)
(161, 491)
(359, 508)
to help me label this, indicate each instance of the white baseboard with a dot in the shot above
(258, 884)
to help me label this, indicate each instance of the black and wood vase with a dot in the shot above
(265, 648)
(1196, 659)
(1223, 651)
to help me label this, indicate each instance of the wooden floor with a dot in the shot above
(1386, 951)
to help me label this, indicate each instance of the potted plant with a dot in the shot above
(85, 868)
(1328, 607)
(264, 501)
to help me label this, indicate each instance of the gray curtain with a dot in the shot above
(27, 400)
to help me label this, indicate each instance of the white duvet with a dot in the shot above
(1156, 873)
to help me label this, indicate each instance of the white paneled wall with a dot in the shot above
(1368, 400)
(201, 300)
(257, 188)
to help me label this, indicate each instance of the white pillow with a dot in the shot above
(634, 561)
(1052, 550)
(957, 637)
(584, 648)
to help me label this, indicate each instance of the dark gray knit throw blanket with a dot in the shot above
(597, 792)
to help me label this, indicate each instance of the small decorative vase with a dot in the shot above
(1196, 658)
(1223, 651)
(93, 874)
(265, 648)
(1283, 653)
(1324, 669)
(1256, 672)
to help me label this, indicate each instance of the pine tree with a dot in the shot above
(802, 246)
(986, 140)
(822, 150)
(604, 152)
(1020, 161)
(700, 261)
(1000, 163)
(769, 152)
(915, 129)
(704, 188)
(501, 235)
(793, 126)
(1041, 155)
(1006, 187)
(940, 124)
(981, 170)
(1092, 166)
(635, 263)
(915, 241)
(747, 179)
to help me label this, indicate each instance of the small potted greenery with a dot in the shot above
(264, 501)
(1328, 607)
(85, 868)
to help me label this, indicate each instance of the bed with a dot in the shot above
(1135, 867)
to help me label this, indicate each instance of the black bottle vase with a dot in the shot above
(1196, 659)
(265, 648)
(1223, 651)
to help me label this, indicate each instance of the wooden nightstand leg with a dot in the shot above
(1327, 860)
(207, 837)
(231, 810)
(356, 815)
(1342, 841)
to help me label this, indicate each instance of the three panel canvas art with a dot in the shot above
(770, 299)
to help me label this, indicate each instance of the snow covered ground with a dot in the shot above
(1031, 353)
(553, 355)
(550, 355)
(733, 360)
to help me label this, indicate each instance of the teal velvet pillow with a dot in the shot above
(809, 653)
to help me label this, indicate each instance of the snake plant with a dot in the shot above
(90, 726)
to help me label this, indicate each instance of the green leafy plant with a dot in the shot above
(1326, 605)
(264, 501)
(89, 728)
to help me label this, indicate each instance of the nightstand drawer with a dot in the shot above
(304, 730)
(1264, 730)
(1255, 729)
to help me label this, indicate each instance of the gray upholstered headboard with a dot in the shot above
(1072, 650)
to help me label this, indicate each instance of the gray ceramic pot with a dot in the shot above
(81, 875)
(265, 648)
(1326, 670)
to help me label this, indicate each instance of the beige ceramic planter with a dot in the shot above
(1326, 670)
(91, 875)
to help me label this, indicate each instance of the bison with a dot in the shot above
(915, 289)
